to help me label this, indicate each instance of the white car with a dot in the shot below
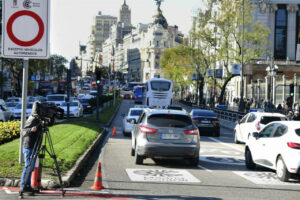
(18, 110)
(276, 146)
(58, 99)
(11, 105)
(5, 113)
(254, 122)
(128, 121)
(76, 109)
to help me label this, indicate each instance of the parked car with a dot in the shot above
(276, 146)
(58, 99)
(87, 108)
(13, 99)
(11, 105)
(206, 121)
(161, 133)
(18, 110)
(131, 118)
(5, 113)
(253, 122)
(76, 109)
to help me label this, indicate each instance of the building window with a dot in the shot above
(157, 43)
(280, 32)
(298, 28)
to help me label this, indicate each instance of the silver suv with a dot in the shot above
(162, 133)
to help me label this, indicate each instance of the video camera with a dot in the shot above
(47, 112)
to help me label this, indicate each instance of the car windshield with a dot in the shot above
(297, 131)
(55, 98)
(19, 106)
(266, 120)
(136, 112)
(84, 100)
(160, 85)
(11, 104)
(204, 113)
(170, 120)
(71, 104)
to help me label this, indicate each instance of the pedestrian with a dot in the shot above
(30, 134)
(290, 115)
(296, 116)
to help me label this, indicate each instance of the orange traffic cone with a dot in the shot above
(98, 179)
(114, 131)
(35, 176)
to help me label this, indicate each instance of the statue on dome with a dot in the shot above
(158, 3)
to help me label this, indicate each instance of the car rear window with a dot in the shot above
(204, 113)
(266, 120)
(170, 120)
(136, 112)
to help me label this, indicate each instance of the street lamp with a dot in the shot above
(241, 106)
(271, 72)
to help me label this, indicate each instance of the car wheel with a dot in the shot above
(217, 134)
(248, 159)
(132, 152)
(138, 159)
(236, 141)
(282, 173)
(194, 161)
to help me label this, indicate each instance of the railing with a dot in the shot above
(229, 115)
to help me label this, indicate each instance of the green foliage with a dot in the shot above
(102, 99)
(70, 140)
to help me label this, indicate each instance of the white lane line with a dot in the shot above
(208, 170)
(225, 144)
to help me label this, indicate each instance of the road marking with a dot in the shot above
(227, 152)
(161, 175)
(264, 178)
(225, 144)
(222, 159)
(208, 170)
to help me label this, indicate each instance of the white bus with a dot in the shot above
(159, 93)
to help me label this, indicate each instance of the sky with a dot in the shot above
(71, 20)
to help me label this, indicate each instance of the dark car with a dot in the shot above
(206, 121)
(87, 108)
(127, 96)
(174, 107)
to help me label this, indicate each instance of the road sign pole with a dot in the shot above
(24, 105)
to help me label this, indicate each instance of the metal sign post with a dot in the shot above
(25, 26)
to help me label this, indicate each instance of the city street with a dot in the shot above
(221, 174)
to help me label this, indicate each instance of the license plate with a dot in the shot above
(169, 136)
(205, 121)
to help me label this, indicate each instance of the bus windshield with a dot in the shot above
(160, 85)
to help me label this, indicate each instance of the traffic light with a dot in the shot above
(98, 76)
(289, 102)
(292, 89)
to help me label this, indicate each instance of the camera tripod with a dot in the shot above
(40, 149)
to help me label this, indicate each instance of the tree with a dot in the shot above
(169, 61)
(230, 37)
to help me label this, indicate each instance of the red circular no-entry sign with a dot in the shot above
(12, 36)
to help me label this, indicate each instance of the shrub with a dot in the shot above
(9, 131)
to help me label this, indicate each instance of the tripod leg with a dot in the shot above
(53, 156)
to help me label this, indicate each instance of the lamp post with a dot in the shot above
(271, 72)
(241, 106)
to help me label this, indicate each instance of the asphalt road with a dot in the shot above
(221, 174)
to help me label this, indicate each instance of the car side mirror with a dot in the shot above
(255, 135)
(237, 121)
(132, 121)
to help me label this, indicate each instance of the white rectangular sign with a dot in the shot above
(236, 69)
(25, 29)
